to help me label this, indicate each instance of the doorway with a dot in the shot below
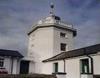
(24, 67)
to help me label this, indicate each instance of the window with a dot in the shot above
(55, 67)
(1, 62)
(85, 66)
(63, 47)
(63, 35)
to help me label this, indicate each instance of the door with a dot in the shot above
(24, 67)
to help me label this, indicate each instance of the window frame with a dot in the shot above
(1, 62)
(83, 63)
(63, 35)
(55, 67)
(63, 46)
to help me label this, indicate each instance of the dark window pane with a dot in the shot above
(55, 67)
(63, 34)
(85, 65)
(63, 47)
(1, 62)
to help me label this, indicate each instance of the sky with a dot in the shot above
(18, 16)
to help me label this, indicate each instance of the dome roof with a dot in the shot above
(49, 19)
(53, 20)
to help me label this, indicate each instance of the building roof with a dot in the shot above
(53, 21)
(57, 25)
(11, 53)
(75, 53)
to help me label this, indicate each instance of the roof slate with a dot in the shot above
(11, 53)
(75, 53)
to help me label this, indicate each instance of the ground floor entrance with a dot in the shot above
(24, 67)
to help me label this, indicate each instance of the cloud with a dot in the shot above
(88, 34)
(18, 16)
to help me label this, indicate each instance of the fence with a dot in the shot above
(27, 76)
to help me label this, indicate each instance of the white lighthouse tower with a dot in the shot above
(49, 37)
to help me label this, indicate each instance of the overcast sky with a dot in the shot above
(18, 16)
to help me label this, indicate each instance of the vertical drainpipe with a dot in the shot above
(11, 65)
(92, 67)
(64, 66)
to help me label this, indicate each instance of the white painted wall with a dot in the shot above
(41, 43)
(73, 68)
(15, 63)
(58, 40)
(18, 66)
(45, 43)
(40, 46)
(47, 68)
(96, 60)
(31, 67)
(8, 65)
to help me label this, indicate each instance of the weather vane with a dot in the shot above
(52, 9)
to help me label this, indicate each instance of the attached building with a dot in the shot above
(79, 63)
(10, 61)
